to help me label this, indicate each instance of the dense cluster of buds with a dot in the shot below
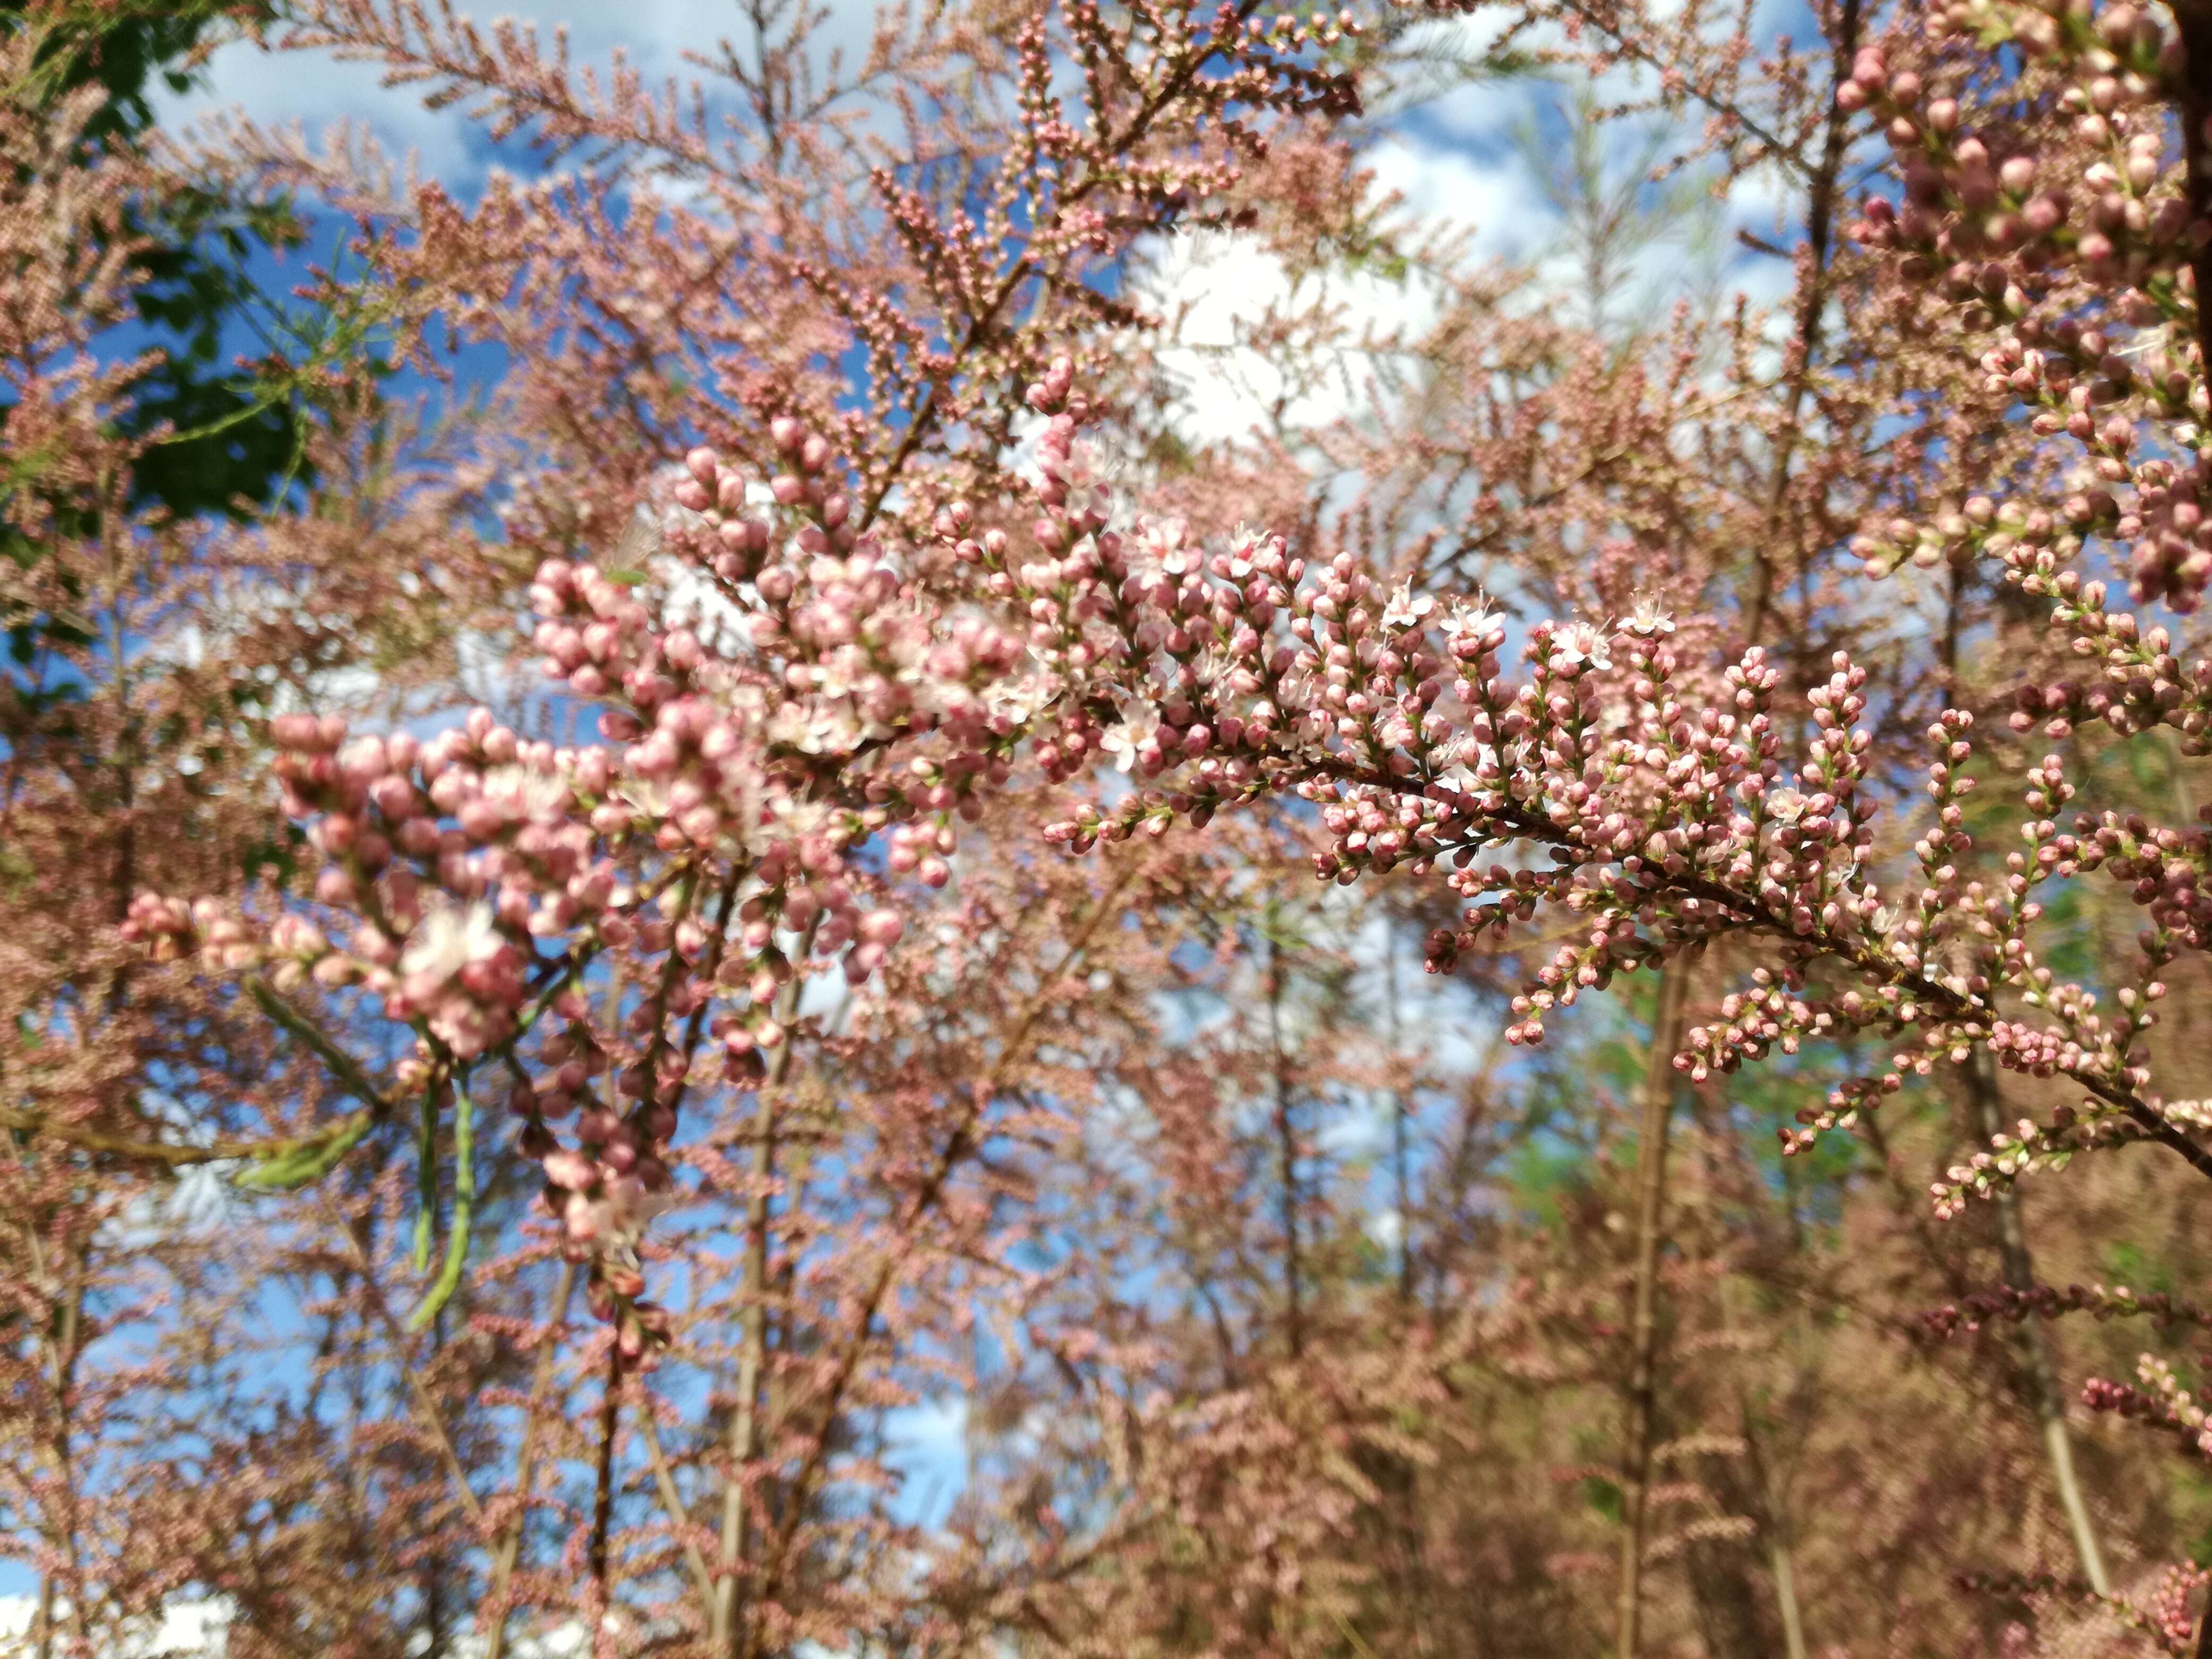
(2071, 229)
(820, 694)
(2048, 1301)
(1659, 796)
(779, 697)
(1963, 202)
(2162, 1399)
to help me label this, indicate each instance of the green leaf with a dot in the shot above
(303, 1162)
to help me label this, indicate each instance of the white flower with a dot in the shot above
(1242, 548)
(1213, 666)
(1164, 545)
(817, 728)
(1579, 646)
(1295, 692)
(1646, 620)
(1405, 612)
(1138, 723)
(646, 796)
(448, 940)
(1477, 620)
(1019, 699)
(1091, 479)
(798, 818)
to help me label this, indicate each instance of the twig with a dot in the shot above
(672, 1502)
(526, 1470)
(957, 1147)
(603, 1502)
(402, 1356)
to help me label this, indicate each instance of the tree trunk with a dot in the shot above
(1657, 1104)
(496, 1602)
(1775, 1530)
(1286, 1154)
(2044, 1390)
(726, 1629)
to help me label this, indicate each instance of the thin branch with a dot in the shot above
(403, 1357)
(526, 1470)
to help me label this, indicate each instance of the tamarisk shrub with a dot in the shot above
(477, 869)
(488, 873)
(1690, 794)
(790, 711)
(1680, 799)
(796, 705)
(146, 650)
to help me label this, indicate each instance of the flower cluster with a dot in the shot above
(779, 696)
(2071, 231)
(1660, 798)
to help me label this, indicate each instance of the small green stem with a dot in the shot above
(464, 1200)
(426, 1177)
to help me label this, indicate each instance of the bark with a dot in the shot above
(1287, 1148)
(2194, 20)
(725, 1630)
(1762, 1494)
(1658, 1100)
(496, 1600)
(2045, 1391)
(1735, 1618)
(1775, 1530)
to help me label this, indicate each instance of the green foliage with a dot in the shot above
(194, 280)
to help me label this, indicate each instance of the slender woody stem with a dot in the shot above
(1658, 1103)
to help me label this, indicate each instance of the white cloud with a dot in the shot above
(315, 88)
(1491, 197)
(187, 1630)
(199, 1627)
(1241, 329)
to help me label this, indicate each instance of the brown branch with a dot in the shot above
(2048, 1397)
(957, 1148)
(1609, 26)
(724, 1626)
(1522, 823)
(164, 1153)
(402, 1356)
(924, 417)
(1658, 1105)
(671, 1502)
(1805, 345)
(526, 1470)
(2194, 20)
(603, 1500)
